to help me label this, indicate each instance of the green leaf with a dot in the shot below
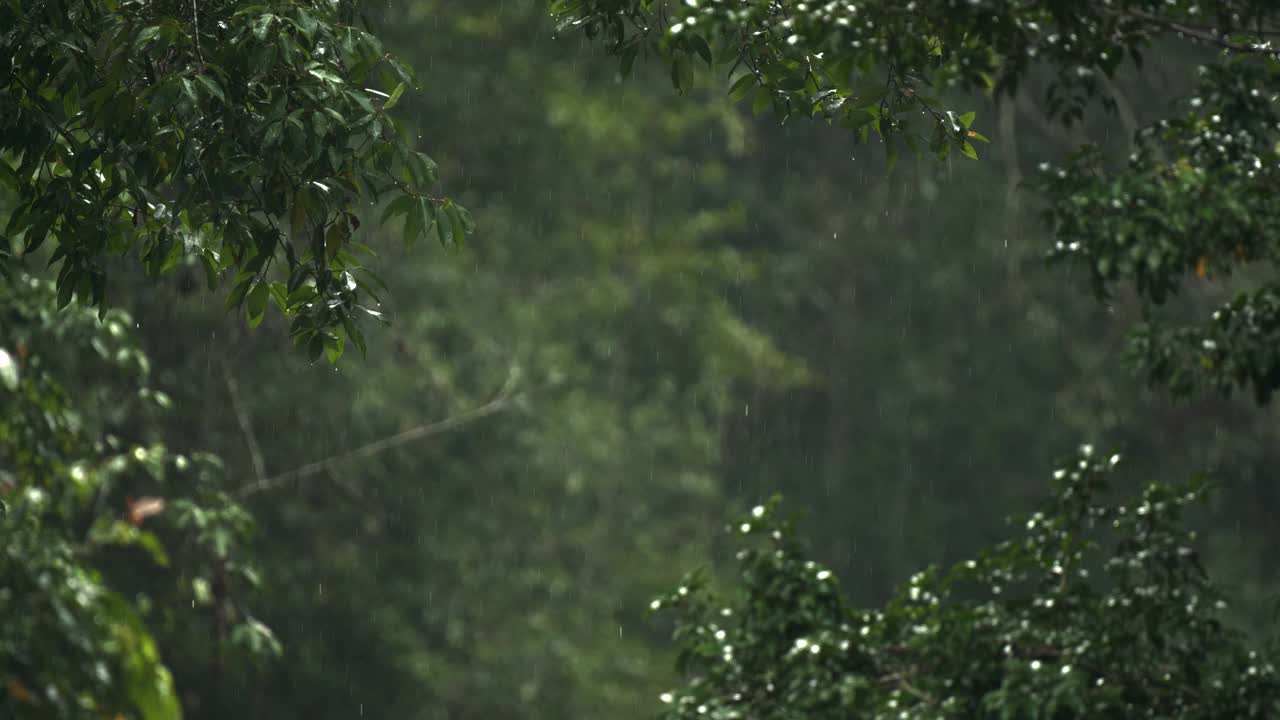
(414, 224)
(455, 221)
(212, 87)
(257, 637)
(628, 59)
(65, 288)
(424, 170)
(967, 119)
(357, 338)
(146, 36)
(395, 97)
(334, 345)
(298, 213)
(444, 230)
(210, 271)
(468, 223)
(300, 294)
(189, 89)
(262, 25)
(9, 177)
(422, 218)
(742, 86)
(700, 46)
(763, 99)
(119, 532)
(238, 291)
(335, 238)
(307, 23)
(271, 137)
(322, 73)
(256, 303)
(401, 205)
(968, 150)
(314, 347)
(682, 74)
(146, 680)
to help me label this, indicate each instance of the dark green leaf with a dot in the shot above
(742, 86)
(256, 303)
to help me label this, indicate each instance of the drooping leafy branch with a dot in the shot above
(248, 136)
(883, 66)
(1193, 202)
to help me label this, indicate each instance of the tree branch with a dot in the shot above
(246, 425)
(499, 402)
(1205, 35)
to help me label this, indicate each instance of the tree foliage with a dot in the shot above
(1099, 610)
(84, 485)
(243, 136)
(1194, 200)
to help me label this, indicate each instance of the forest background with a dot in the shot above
(671, 310)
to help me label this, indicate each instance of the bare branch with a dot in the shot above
(246, 425)
(499, 402)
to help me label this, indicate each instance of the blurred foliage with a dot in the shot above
(74, 517)
(469, 524)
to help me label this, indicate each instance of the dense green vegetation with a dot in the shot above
(668, 307)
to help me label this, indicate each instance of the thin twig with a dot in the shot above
(497, 404)
(246, 424)
(901, 680)
(195, 23)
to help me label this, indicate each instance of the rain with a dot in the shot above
(638, 359)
